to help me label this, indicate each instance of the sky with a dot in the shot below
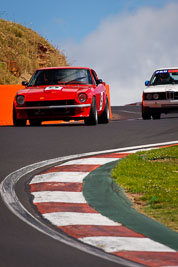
(124, 41)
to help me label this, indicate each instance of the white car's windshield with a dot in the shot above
(60, 76)
(164, 77)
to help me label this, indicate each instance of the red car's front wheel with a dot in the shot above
(104, 118)
(93, 117)
(18, 122)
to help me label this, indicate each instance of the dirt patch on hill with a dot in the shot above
(22, 51)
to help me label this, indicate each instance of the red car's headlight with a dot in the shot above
(82, 97)
(20, 99)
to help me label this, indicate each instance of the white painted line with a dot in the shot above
(58, 196)
(73, 177)
(114, 244)
(141, 150)
(77, 218)
(132, 112)
(90, 161)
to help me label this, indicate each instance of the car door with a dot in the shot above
(99, 91)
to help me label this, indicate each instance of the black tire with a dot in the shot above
(35, 122)
(145, 114)
(104, 118)
(93, 117)
(156, 116)
(18, 122)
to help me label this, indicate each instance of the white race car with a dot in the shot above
(161, 94)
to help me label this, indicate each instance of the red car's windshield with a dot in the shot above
(60, 76)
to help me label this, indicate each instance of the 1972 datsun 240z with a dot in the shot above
(62, 93)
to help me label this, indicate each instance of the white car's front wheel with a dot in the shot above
(156, 116)
(145, 114)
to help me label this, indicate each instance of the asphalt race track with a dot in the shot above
(22, 245)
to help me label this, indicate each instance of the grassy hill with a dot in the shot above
(22, 51)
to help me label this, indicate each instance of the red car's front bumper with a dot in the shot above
(53, 112)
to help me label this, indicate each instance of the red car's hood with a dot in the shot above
(52, 92)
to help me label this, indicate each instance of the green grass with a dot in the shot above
(150, 179)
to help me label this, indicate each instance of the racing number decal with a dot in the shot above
(101, 100)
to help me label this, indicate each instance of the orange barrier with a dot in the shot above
(7, 94)
(108, 95)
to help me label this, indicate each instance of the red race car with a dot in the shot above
(62, 93)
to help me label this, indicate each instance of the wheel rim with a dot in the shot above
(96, 116)
(107, 112)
